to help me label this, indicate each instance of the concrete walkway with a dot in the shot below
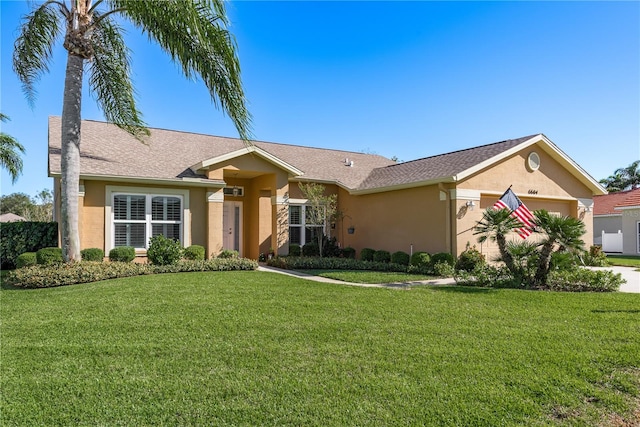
(403, 285)
(628, 273)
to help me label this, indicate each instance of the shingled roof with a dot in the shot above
(607, 204)
(108, 152)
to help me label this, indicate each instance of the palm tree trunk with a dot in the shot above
(504, 253)
(70, 165)
(542, 272)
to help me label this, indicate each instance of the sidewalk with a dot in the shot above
(628, 273)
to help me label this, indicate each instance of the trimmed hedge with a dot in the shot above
(349, 252)
(48, 256)
(92, 254)
(331, 263)
(381, 256)
(294, 250)
(25, 236)
(400, 257)
(194, 253)
(228, 253)
(164, 251)
(26, 259)
(122, 254)
(442, 257)
(420, 259)
(40, 276)
(366, 254)
(310, 249)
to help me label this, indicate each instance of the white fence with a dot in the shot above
(612, 242)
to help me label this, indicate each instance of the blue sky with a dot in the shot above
(404, 79)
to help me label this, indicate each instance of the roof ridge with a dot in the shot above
(524, 138)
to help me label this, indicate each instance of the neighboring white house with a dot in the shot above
(616, 222)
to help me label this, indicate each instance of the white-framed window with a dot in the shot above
(133, 215)
(302, 230)
(139, 217)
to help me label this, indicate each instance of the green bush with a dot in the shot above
(348, 252)
(595, 257)
(469, 259)
(584, 280)
(164, 251)
(26, 259)
(228, 253)
(381, 256)
(420, 259)
(366, 254)
(562, 260)
(311, 263)
(400, 257)
(48, 256)
(310, 249)
(40, 276)
(25, 236)
(294, 250)
(194, 253)
(92, 254)
(122, 254)
(442, 257)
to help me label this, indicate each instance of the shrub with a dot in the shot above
(310, 249)
(25, 236)
(330, 247)
(26, 259)
(194, 253)
(310, 263)
(228, 253)
(40, 276)
(48, 256)
(584, 280)
(442, 257)
(164, 251)
(400, 257)
(122, 254)
(349, 252)
(366, 254)
(595, 257)
(469, 259)
(443, 269)
(420, 259)
(92, 254)
(381, 256)
(294, 250)
(562, 260)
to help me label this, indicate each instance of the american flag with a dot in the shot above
(510, 201)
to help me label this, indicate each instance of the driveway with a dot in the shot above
(630, 274)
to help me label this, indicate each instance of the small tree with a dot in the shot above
(320, 208)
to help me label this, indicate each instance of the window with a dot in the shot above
(302, 229)
(138, 217)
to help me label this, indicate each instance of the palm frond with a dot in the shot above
(110, 79)
(194, 34)
(34, 46)
(10, 150)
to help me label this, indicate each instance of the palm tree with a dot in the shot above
(194, 33)
(10, 150)
(495, 225)
(562, 233)
(623, 178)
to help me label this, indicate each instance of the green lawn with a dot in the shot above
(624, 260)
(254, 348)
(365, 276)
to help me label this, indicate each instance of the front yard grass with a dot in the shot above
(255, 348)
(624, 260)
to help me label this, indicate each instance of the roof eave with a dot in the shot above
(446, 179)
(183, 182)
(292, 170)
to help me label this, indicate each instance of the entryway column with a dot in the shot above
(215, 202)
(280, 221)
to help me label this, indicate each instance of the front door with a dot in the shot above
(232, 226)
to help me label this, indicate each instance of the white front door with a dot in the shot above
(232, 226)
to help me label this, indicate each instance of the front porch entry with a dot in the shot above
(232, 226)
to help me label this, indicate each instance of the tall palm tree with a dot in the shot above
(10, 150)
(193, 32)
(495, 225)
(562, 233)
(623, 178)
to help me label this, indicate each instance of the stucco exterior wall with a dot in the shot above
(395, 220)
(630, 231)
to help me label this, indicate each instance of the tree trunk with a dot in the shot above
(542, 273)
(70, 160)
